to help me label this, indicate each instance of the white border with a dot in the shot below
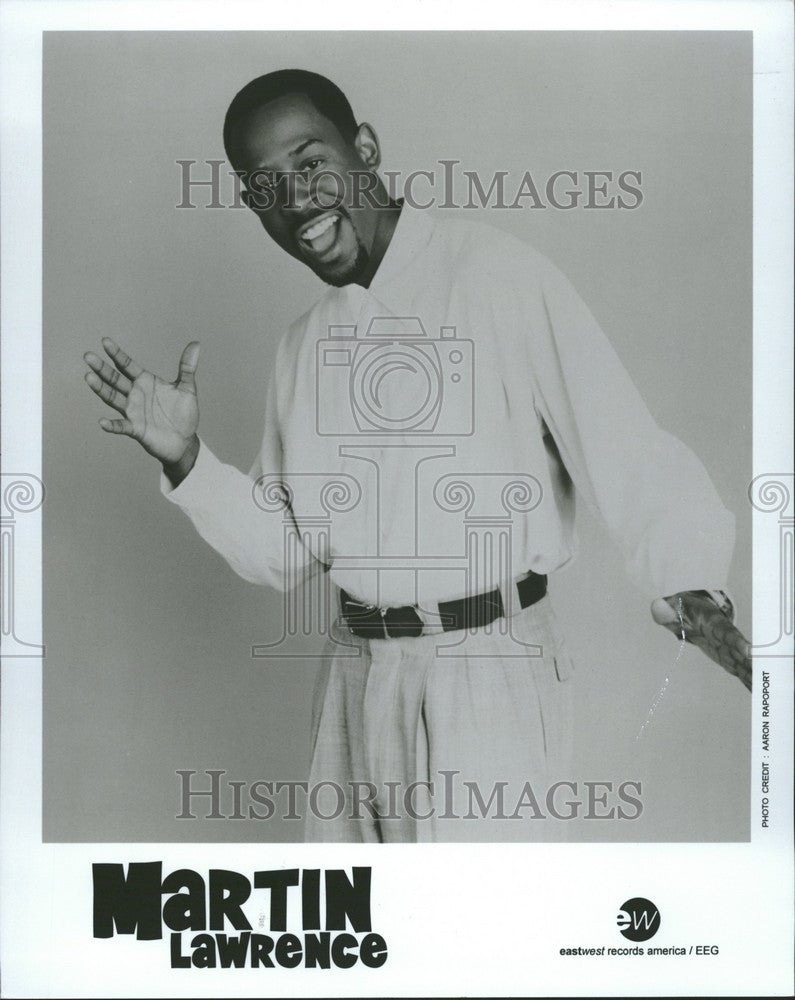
(736, 895)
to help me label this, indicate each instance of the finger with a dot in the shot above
(108, 395)
(116, 426)
(188, 364)
(107, 373)
(663, 613)
(122, 361)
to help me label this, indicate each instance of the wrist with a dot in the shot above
(177, 471)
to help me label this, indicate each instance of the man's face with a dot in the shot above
(311, 211)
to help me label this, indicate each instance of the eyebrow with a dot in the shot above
(300, 148)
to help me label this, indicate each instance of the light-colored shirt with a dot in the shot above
(431, 433)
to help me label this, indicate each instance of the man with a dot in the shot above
(452, 390)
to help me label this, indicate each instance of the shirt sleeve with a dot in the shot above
(655, 495)
(247, 524)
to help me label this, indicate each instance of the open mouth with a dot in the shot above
(319, 236)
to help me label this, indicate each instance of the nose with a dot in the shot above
(295, 196)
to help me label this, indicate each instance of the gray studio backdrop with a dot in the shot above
(148, 632)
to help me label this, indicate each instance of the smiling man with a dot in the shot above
(452, 381)
(293, 135)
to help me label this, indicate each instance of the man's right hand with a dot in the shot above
(162, 416)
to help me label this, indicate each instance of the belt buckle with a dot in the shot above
(399, 626)
(394, 622)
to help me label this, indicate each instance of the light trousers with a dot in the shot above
(456, 736)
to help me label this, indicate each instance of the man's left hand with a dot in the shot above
(694, 616)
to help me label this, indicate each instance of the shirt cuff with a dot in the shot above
(199, 482)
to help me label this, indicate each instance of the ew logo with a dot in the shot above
(638, 919)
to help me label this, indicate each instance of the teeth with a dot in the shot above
(319, 228)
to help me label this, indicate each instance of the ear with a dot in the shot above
(367, 146)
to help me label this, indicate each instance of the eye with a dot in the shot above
(309, 166)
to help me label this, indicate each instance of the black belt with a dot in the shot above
(371, 622)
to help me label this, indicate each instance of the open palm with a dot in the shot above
(162, 416)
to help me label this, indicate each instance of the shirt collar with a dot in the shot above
(391, 284)
(411, 235)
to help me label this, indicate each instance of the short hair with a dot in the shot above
(325, 95)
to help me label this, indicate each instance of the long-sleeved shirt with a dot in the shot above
(430, 434)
